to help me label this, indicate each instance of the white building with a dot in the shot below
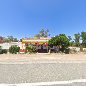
(7, 45)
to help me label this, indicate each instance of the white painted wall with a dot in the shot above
(7, 45)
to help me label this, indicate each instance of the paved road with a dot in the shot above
(42, 72)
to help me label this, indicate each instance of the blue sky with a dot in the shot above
(25, 18)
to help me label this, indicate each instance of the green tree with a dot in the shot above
(69, 38)
(77, 39)
(83, 36)
(60, 40)
(43, 33)
(38, 36)
(6, 40)
(15, 40)
(10, 39)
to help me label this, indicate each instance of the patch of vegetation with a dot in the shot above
(14, 49)
(31, 49)
(61, 41)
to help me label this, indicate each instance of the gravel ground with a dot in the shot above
(44, 72)
(26, 68)
(40, 57)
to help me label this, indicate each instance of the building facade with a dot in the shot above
(41, 44)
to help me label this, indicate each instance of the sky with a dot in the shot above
(25, 18)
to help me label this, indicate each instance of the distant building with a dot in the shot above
(41, 44)
(7, 45)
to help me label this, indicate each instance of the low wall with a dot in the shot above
(77, 48)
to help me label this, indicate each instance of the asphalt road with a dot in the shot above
(42, 72)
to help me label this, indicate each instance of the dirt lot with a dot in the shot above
(41, 56)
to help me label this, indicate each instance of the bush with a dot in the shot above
(14, 49)
(67, 50)
(0, 47)
(3, 51)
(31, 49)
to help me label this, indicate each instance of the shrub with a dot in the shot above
(67, 50)
(0, 47)
(14, 49)
(3, 51)
(31, 49)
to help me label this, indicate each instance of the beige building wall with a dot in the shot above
(7, 45)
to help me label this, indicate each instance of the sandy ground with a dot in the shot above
(41, 56)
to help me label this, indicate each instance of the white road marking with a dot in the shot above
(47, 83)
